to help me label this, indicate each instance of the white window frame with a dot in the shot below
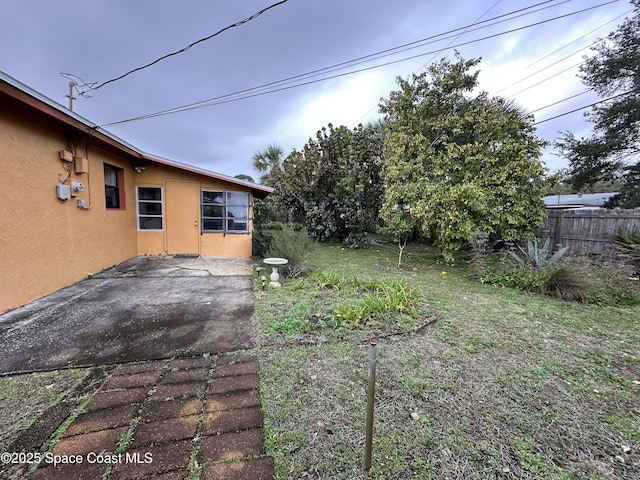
(146, 215)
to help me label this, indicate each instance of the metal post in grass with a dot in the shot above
(371, 394)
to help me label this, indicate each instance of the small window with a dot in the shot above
(226, 212)
(113, 187)
(150, 208)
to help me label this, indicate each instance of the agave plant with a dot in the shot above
(536, 256)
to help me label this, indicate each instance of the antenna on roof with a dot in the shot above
(70, 95)
(74, 82)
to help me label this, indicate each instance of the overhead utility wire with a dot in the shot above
(401, 49)
(582, 108)
(443, 48)
(577, 39)
(237, 24)
(477, 20)
(412, 45)
(562, 59)
(548, 78)
(551, 65)
(232, 96)
(226, 98)
(561, 101)
(546, 68)
(377, 55)
(370, 57)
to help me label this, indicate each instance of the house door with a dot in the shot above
(183, 217)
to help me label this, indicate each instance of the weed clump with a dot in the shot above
(293, 243)
(565, 283)
(577, 279)
(386, 298)
(326, 304)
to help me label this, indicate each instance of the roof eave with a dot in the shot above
(258, 191)
(16, 92)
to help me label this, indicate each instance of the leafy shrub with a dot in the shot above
(261, 243)
(348, 313)
(267, 211)
(327, 279)
(509, 273)
(611, 285)
(575, 279)
(273, 225)
(293, 243)
(397, 295)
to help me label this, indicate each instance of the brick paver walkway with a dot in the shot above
(168, 419)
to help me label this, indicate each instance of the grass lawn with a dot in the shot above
(24, 398)
(503, 384)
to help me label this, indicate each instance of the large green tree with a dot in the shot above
(333, 185)
(612, 150)
(459, 162)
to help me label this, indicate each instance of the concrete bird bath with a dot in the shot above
(274, 262)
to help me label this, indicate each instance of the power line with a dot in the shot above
(353, 62)
(417, 43)
(582, 108)
(444, 48)
(545, 68)
(560, 101)
(245, 94)
(182, 50)
(548, 78)
(562, 59)
(577, 39)
(550, 65)
(477, 21)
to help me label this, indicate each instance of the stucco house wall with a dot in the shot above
(186, 201)
(47, 243)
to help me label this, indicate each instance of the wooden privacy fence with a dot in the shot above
(592, 231)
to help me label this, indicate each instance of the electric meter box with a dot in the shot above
(81, 165)
(66, 156)
(63, 192)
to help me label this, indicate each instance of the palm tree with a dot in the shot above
(268, 161)
(247, 178)
(378, 129)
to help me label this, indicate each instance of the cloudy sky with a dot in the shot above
(98, 41)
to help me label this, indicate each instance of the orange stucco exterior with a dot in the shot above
(186, 202)
(47, 243)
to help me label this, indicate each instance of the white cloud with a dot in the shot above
(509, 45)
(355, 100)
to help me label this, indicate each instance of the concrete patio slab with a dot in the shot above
(143, 309)
(182, 403)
